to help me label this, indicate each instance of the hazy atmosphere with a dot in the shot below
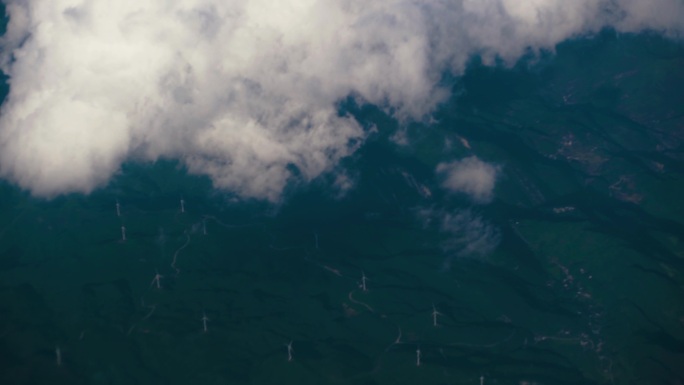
(343, 192)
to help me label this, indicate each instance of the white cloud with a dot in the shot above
(469, 176)
(467, 235)
(244, 90)
(344, 183)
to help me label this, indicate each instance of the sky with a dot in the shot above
(247, 91)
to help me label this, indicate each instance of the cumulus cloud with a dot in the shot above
(246, 91)
(469, 176)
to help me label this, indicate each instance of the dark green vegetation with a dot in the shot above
(585, 285)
